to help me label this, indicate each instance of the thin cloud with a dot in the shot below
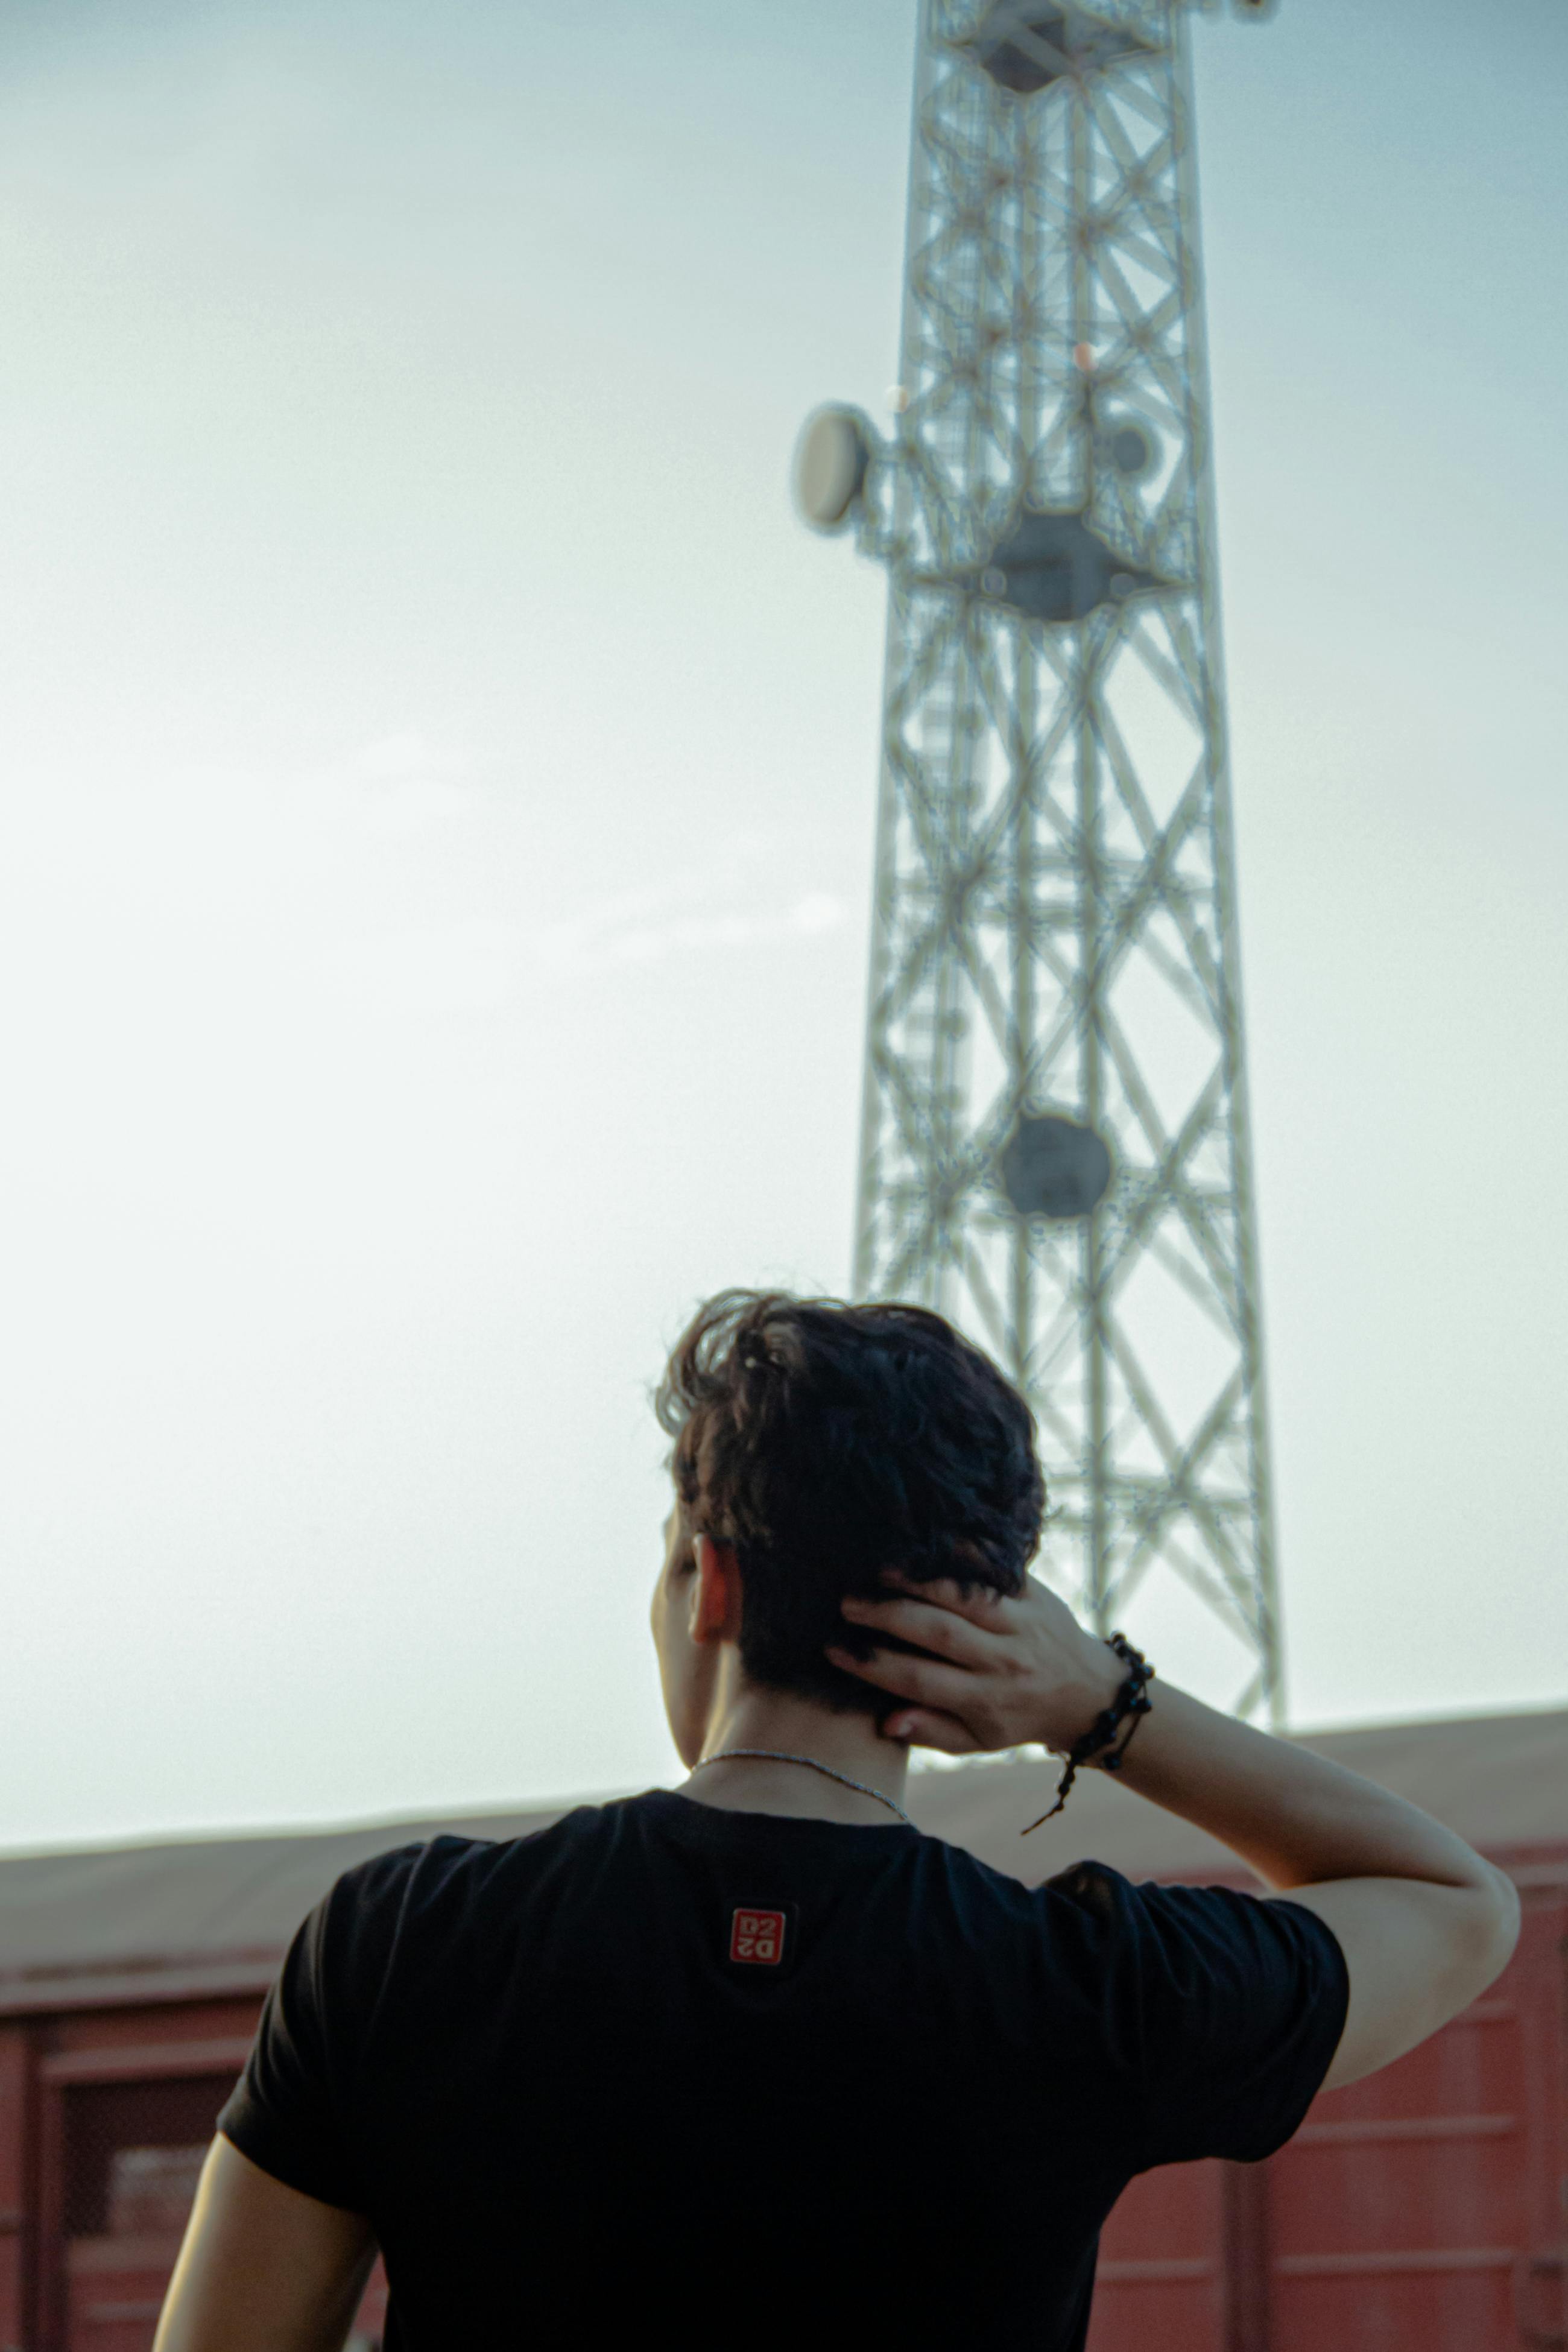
(405, 783)
(479, 965)
(630, 930)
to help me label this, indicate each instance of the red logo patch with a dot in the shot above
(757, 1938)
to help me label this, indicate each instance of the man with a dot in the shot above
(754, 2061)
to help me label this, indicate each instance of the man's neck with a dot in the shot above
(785, 1727)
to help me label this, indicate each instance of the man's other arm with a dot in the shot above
(1425, 1922)
(263, 2268)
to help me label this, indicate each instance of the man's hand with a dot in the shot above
(996, 1674)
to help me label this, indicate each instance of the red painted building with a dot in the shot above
(1424, 2210)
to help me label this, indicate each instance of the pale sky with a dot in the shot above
(438, 777)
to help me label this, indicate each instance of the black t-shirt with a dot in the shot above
(737, 2079)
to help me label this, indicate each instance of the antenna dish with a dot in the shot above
(1026, 45)
(830, 461)
(1052, 566)
(1054, 1168)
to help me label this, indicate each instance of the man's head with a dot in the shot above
(819, 1443)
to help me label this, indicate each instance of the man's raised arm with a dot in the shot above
(1425, 1922)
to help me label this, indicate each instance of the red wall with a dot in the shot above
(1421, 2211)
(75, 2087)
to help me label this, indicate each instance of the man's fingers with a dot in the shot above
(923, 1681)
(938, 1630)
(976, 1602)
(921, 1727)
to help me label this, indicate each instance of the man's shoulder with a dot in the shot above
(452, 1864)
(1092, 1888)
(1088, 1909)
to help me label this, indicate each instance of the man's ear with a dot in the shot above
(715, 1592)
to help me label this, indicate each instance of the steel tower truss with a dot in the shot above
(1054, 947)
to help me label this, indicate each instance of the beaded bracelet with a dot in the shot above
(1130, 1700)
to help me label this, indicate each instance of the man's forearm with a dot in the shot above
(1295, 1818)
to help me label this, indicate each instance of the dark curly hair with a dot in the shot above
(825, 1441)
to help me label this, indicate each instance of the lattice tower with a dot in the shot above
(1056, 1148)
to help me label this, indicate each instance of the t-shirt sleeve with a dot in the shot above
(1228, 2008)
(291, 2110)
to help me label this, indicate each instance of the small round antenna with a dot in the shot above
(830, 461)
(1131, 450)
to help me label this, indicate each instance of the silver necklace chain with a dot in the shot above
(776, 1755)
